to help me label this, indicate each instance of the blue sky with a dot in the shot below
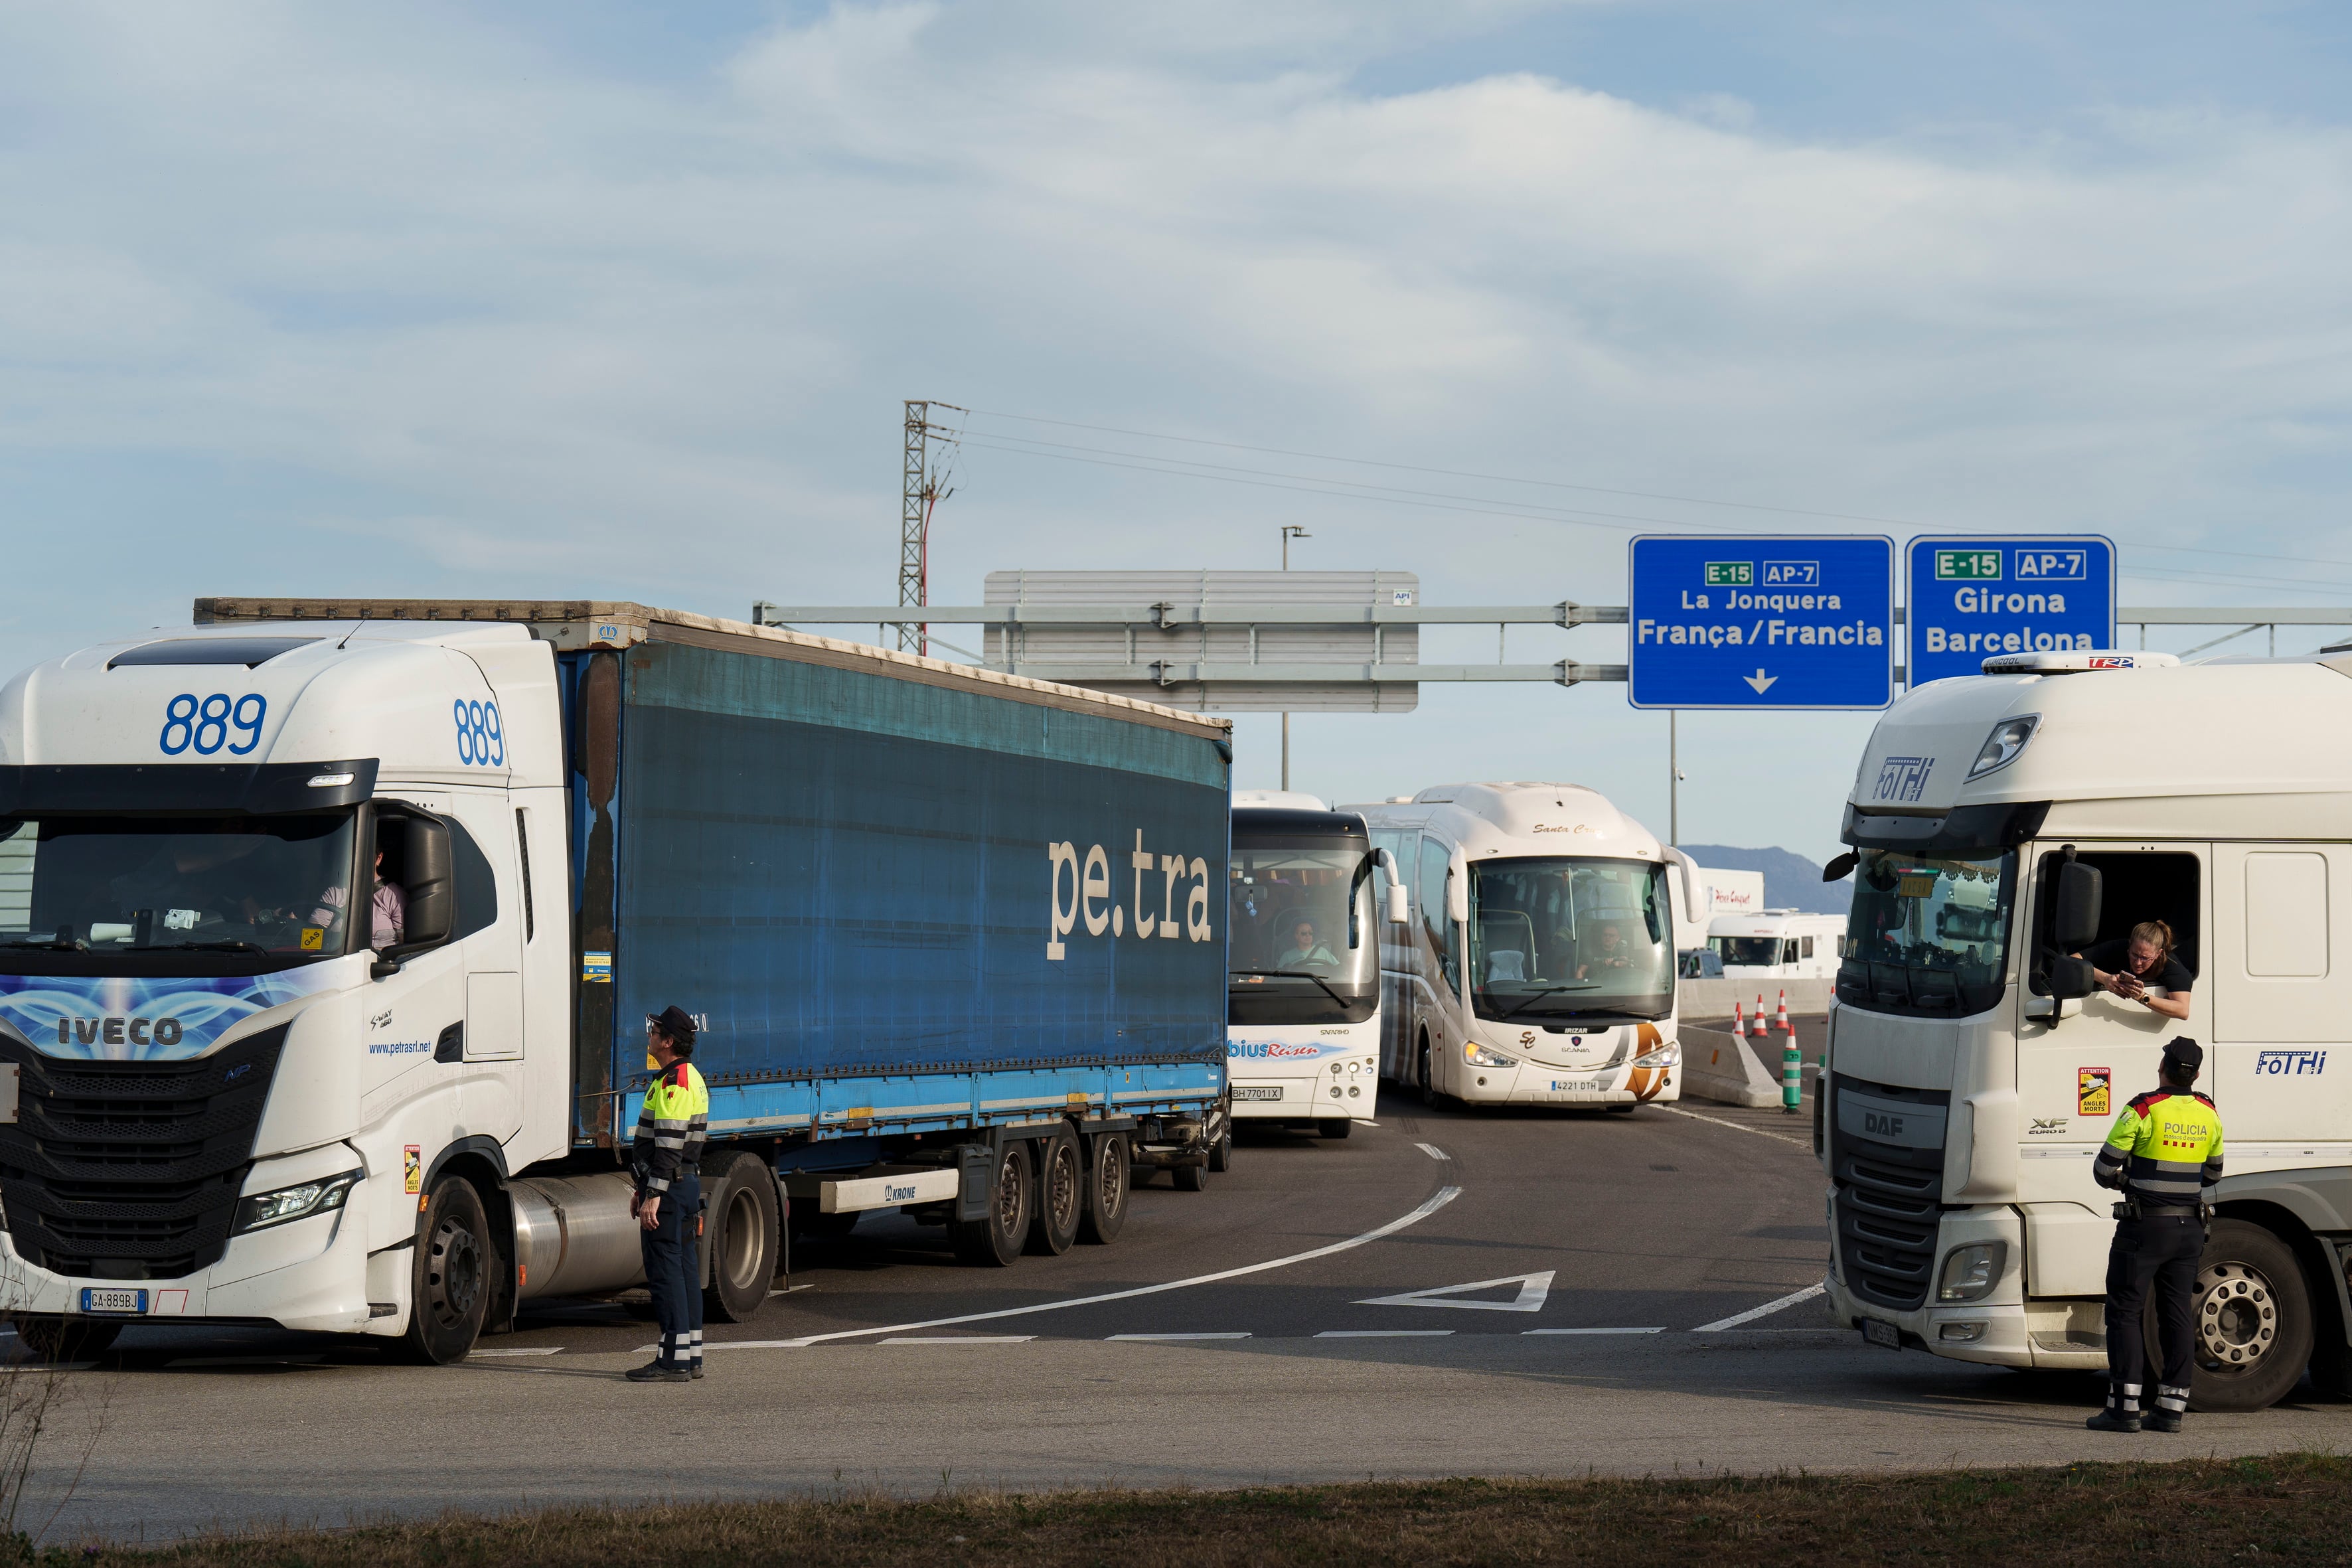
(621, 300)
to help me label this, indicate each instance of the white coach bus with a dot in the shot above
(1537, 965)
(1303, 1008)
(2002, 825)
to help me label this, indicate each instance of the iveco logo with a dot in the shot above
(1884, 1125)
(118, 1031)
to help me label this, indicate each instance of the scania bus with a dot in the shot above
(1538, 963)
(1303, 1021)
(2001, 826)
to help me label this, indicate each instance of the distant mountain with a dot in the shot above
(1790, 881)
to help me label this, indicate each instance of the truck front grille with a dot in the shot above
(1888, 1206)
(130, 1170)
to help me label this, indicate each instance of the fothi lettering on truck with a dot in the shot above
(2290, 1064)
(1902, 778)
(1087, 879)
(121, 1019)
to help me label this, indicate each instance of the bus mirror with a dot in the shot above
(1399, 905)
(2077, 915)
(1457, 895)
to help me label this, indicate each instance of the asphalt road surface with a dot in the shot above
(1532, 1292)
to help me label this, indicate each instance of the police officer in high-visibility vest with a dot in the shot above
(2163, 1154)
(669, 1201)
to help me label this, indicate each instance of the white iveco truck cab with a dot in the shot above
(1303, 1019)
(2001, 826)
(1537, 966)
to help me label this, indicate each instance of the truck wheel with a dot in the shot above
(1106, 1187)
(740, 1231)
(1061, 1196)
(1221, 1152)
(449, 1284)
(49, 1338)
(1190, 1178)
(2253, 1321)
(1339, 1128)
(994, 1240)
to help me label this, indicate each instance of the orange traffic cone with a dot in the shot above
(1761, 1030)
(1780, 1018)
(1738, 1021)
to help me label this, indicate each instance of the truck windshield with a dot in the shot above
(1747, 949)
(254, 885)
(1927, 934)
(1305, 950)
(1556, 939)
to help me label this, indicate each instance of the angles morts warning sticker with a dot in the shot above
(411, 1170)
(2091, 1091)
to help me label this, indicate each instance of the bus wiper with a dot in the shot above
(1548, 990)
(43, 944)
(1297, 974)
(230, 945)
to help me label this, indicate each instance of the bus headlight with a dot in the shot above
(1669, 1055)
(1971, 1272)
(1478, 1056)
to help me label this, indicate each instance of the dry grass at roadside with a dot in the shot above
(2284, 1509)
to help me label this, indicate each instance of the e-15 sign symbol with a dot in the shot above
(1970, 565)
(1731, 573)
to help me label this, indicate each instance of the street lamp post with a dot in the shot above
(1289, 532)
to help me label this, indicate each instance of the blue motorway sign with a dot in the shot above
(1779, 622)
(1970, 598)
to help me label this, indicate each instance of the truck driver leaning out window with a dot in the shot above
(2163, 1154)
(2130, 967)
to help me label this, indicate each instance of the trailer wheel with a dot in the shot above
(1191, 1178)
(449, 1284)
(2253, 1321)
(741, 1232)
(50, 1337)
(1061, 1196)
(1221, 1152)
(1106, 1188)
(994, 1240)
(1338, 1129)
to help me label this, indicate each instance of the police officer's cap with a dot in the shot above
(677, 1024)
(2180, 1051)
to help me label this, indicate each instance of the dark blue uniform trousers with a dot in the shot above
(674, 1272)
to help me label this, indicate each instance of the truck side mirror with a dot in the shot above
(2076, 917)
(431, 888)
(1840, 869)
(2071, 977)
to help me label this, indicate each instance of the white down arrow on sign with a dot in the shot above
(1533, 1289)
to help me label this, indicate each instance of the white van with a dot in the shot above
(1537, 965)
(1776, 945)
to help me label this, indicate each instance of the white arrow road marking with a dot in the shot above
(1765, 1310)
(1443, 1196)
(1759, 680)
(1533, 1289)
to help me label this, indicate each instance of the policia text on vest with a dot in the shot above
(668, 1203)
(2163, 1151)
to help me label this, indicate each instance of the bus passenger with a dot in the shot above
(2129, 967)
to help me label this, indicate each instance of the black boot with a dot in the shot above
(2108, 1421)
(655, 1372)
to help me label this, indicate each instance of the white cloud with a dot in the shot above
(535, 324)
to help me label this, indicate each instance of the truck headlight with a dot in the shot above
(1971, 1272)
(265, 1209)
(1478, 1056)
(2002, 747)
(1669, 1055)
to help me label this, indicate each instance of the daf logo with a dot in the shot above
(118, 1031)
(1882, 1124)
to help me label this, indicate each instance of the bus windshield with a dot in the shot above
(1555, 941)
(1927, 933)
(1304, 947)
(272, 887)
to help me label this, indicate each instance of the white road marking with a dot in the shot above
(1383, 1334)
(536, 1350)
(1175, 1336)
(960, 1340)
(1444, 1195)
(1765, 1310)
(1592, 1331)
(1533, 1289)
(1432, 1151)
(1805, 1144)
